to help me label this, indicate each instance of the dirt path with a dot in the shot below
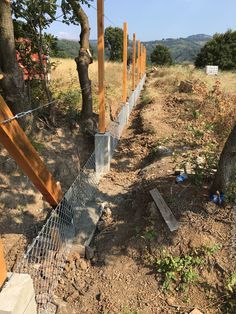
(121, 277)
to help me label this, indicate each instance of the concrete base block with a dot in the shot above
(122, 120)
(131, 102)
(102, 153)
(18, 296)
(127, 112)
(86, 222)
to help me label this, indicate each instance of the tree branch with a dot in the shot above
(84, 23)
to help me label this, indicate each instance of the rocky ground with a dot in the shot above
(133, 247)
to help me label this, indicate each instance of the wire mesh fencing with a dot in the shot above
(45, 258)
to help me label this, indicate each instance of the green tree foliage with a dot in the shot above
(114, 43)
(34, 17)
(161, 56)
(221, 51)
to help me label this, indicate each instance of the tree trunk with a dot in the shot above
(12, 84)
(83, 61)
(226, 172)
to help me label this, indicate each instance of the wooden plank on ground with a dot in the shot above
(19, 147)
(3, 268)
(166, 213)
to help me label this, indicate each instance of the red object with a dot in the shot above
(28, 61)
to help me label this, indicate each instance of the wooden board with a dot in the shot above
(3, 268)
(166, 213)
(19, 147)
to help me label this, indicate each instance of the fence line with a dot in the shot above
(45, 258)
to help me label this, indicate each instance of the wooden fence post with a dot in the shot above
(3, 268)
(134, 62)
(101, 74)
(139, 46)
(142, 60)
(19, 147)
(125, 53)
(145, 63)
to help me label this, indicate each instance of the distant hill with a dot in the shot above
(182, 49)
(67, 48)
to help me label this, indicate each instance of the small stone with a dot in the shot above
(107, 212)
(89, 252)
(82, 264)
(103, 205)
(196, 311)
(171, 301)
(77, 251)
(164, 151)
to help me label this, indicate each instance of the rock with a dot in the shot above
(89, 252)
(164, 151)
(171, 302)
(107, 212)
(82, 264)
(77, 251)
(195, 311)
(186, 87)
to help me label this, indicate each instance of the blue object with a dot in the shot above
(217, 198)
(181, 178)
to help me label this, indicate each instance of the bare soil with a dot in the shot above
(122, 276)
(22, 209)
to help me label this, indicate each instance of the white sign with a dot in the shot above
(212, 70)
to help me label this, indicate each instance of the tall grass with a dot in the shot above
(64, 77)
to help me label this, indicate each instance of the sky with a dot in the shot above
(158, 19)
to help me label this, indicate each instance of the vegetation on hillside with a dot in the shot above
(161, 56)
(221, 51)
(182, 49)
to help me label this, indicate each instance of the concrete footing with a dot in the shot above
(104, 142)
(127, 112)
(18, 296)
(102, 153)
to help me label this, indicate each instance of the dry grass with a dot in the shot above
(213, 96)
(65, 78)
(169, 76)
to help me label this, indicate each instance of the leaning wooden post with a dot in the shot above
(3, 268)
(101, 74)
(134, 62)
(19, 147)
(125, 56)
(139, 48)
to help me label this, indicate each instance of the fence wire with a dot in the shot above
(45, 258)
